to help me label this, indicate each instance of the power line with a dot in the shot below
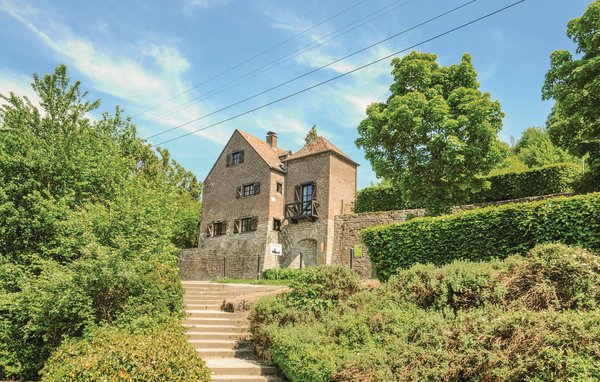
(282, 59)
(317, 69)
(345, 73)
(251, 58)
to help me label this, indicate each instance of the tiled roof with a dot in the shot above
(315, 146)
(267, 153)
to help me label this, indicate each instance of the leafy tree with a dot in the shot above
(535, 149)
(435, 134)
(574, 83)
(91, 217)
(311, 135)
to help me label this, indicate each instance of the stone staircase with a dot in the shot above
(221, 338)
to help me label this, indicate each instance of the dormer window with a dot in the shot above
(235, 158)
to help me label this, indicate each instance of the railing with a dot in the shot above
(307, 210)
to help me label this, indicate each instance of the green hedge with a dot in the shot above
(162, 354)
(551, 179)
(380, 198)
(493, 232)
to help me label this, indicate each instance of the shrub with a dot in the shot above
(162, 354)
(492, 232)
(551, 179)
(321, 287)
(380, 198)
(281, 274)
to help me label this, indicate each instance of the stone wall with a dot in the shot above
(347, 235)
(202, 264)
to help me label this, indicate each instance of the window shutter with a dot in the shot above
(228, 160)
(314, 190)
(239, 192)
(256, 188)
(297, 191)
(236, 226)
(242, 156)
(254, 224)
(224, 227)
(209, 230)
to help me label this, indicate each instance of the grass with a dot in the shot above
(252, 281)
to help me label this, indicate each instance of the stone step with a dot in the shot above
(220, 344)
(210, 295)
(238, 366)
(217, 328)
(203, 306)
(245, 378)
(201, 335)
(219, 352)
(214, 321)
(213, 314)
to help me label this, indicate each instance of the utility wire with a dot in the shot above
(230, 69)
(306, 48)
(345, 73)
(317, 69)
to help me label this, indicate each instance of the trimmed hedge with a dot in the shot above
(483, 234)
(162, 354)
(547, 180)
(551, 179)
(379, 198)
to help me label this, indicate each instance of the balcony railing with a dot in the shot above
(307, 210)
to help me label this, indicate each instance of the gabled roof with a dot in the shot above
(264, 150)
(317, 146)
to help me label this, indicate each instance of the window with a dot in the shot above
(307, 197)
(235, 158)
(279, 188)
(276, 225)
(248, 190)
(245, 225)
(216, 229)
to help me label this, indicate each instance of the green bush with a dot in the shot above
(380, 198)
(281, 274)
(493, 232)
(551, 179)
(162, 354)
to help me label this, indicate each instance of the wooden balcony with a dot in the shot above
(297, 211)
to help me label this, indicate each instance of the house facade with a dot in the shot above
(258, 194)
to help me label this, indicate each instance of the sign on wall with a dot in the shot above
(275, 249)
(357, 250)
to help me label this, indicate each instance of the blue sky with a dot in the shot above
(138, 54)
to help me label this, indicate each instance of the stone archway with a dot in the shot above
(308, 248)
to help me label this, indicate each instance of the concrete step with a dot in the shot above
(214, 321)
(213, 314)
(209, 295)
(218, 352)
(245, 378)
(220, 344)
(199, 335)
(238, 366)
(203, 306)
(234, 329)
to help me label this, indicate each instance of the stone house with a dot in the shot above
(257, 194)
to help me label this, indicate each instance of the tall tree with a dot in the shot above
(574, 83)
(435, 134)
(536, 149)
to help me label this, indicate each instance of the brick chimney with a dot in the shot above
(272, 139)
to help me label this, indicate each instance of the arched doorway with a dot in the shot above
(308, 249)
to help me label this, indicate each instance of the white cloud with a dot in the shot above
(18, 83)
(140, 83)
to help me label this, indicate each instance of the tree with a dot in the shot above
(435, 134)
(311, 135)
(535, 149)
(574, 84)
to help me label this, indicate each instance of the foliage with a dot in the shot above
(435, 134)
(535, 149)
(90, 220)
(483, 234)
(574, 84)
(461, 322)
(281, 274)
(547, 180)
(380, 198)
(161, 354)
(311, 135)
